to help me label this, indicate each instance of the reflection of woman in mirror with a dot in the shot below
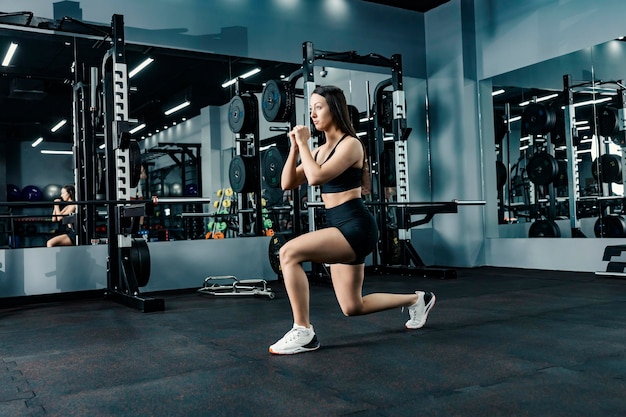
(338, 167)
(67, 234)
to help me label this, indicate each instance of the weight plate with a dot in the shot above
(612, 225)
(561, 179)
(544, 228)
(277, 101)
(608, 121)
(538, 119)
(607, 168)
(557, 134)
(242, 114)
(140, 261)
(243, 174)
(273, 163)
(135, 163)
(237, 174)
(542, 168)
(276, 242)
(385, 111)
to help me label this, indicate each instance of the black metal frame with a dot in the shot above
(121, 280)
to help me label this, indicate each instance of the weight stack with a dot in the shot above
(194, 226)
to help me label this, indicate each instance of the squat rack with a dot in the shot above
(403, 206)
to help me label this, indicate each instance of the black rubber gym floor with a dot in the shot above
(499, 342)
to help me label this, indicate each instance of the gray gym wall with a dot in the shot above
(512, 35)
(455, 46)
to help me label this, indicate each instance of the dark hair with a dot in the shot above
(336, 101)
(71, 191)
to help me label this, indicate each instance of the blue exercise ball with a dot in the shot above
(191, 190)
(13, 193)
(32, 193)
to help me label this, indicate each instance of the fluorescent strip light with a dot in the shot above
(539, 99)
(585, 103)
(497, 92)
(582, 122)
(58, 125)
(50, 152)
(514, 119)
(584, 128)
(101, 146)
(137, 128)
(243, 76)
(140, 67)
(176, 108)
(37, 142)
(523, 148)
(586, 141)
(9, 56)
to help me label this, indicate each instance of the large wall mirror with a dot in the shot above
(186, 152)
(37, 111)
(559, 144)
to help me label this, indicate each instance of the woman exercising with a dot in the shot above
(338, 167)
(66, 237)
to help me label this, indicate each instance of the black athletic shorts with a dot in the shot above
(357, 225)
(71, 233)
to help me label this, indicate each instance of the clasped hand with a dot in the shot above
(299, 136)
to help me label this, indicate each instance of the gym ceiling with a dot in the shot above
(421, 6)
(36, 89)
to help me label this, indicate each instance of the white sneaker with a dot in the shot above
(418, 312)
(297, 340)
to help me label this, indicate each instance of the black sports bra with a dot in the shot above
(347, 180)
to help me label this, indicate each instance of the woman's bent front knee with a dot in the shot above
(288, 255)
(352, 310)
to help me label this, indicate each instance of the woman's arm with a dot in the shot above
(56, 211)
(69, 209)
(292, 175)
(347, 153)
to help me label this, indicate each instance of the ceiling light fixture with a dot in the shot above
(140, 67)
(497, 92)
(9, 55)
(513, 119)
(178, 107)
(137, 128)
(242, 76)
(58, 125)
(598, 101)
(37, 142)
(539, 99)
(51, 152)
